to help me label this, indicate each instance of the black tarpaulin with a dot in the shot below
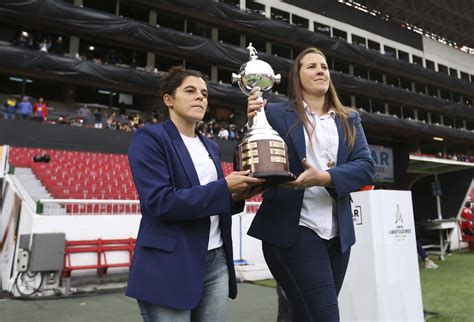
(70, 70)
(134, 34)
(266, 28)
(412, 128)
(111, 28)
(400, 96)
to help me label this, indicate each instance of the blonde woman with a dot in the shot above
(306, 225)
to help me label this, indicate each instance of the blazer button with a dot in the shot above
(331, 163)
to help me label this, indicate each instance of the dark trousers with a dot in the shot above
(420, 250)
(311, 273)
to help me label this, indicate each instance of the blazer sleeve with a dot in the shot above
(359, 169)
(159, 196)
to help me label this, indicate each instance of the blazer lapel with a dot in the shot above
(296, 133)
(342, 151)
(182, 152)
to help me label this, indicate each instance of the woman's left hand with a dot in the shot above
(308, 178)
(249, 193)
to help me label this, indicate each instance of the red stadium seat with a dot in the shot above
(86, 175)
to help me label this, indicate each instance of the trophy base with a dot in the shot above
(273, 178)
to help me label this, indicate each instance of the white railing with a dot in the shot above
(57, 207)
(251, 207)
(3, 160)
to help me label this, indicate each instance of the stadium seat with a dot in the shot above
(85, 175)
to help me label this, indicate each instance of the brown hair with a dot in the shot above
(295, 94)
(174, 78)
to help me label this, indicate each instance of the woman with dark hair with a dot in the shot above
(182, 269)
(306, 225)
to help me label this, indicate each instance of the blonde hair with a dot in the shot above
(295, 94)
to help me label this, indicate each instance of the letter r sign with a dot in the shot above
(357, 215)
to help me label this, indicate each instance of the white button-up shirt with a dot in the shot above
(317, 210)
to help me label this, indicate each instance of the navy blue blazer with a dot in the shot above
(170, 255)
(278, 217)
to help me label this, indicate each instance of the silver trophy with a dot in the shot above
(262, 150)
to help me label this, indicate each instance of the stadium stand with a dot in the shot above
(79, 175)
(413, 90)
(83, 175)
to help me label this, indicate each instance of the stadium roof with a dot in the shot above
(451, 20)
(432, 165)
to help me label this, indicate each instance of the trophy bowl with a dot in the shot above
(262, 150)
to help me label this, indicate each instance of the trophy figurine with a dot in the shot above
(262, 150)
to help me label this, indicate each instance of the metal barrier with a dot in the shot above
(101, 247)
(251, 208)
(57, 207)
(96, 250)
(3, 160)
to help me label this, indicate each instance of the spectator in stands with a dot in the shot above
(111, 57)
(10, 108)
(23, 39)
(223, 133)
(241, 132)
(40, 110)
(43, 45)
(75, 121)
(183, 268)
(127, 127)
(133, 63)
(215, 129)
(62, 120)
(98, 118)
(155, 117)
(111, 119)
(84, 112)
(136, 119)
(122, 111)
(422, 254)
(58, 47)
(201, 128)
(232, 133)
(210, 131)
(467, 219)
(114, 125)
(306, 225)
(25, 108)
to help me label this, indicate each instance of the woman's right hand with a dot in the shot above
(239, 181)
(254, 104)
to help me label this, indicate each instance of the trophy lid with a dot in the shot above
(255, 73)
